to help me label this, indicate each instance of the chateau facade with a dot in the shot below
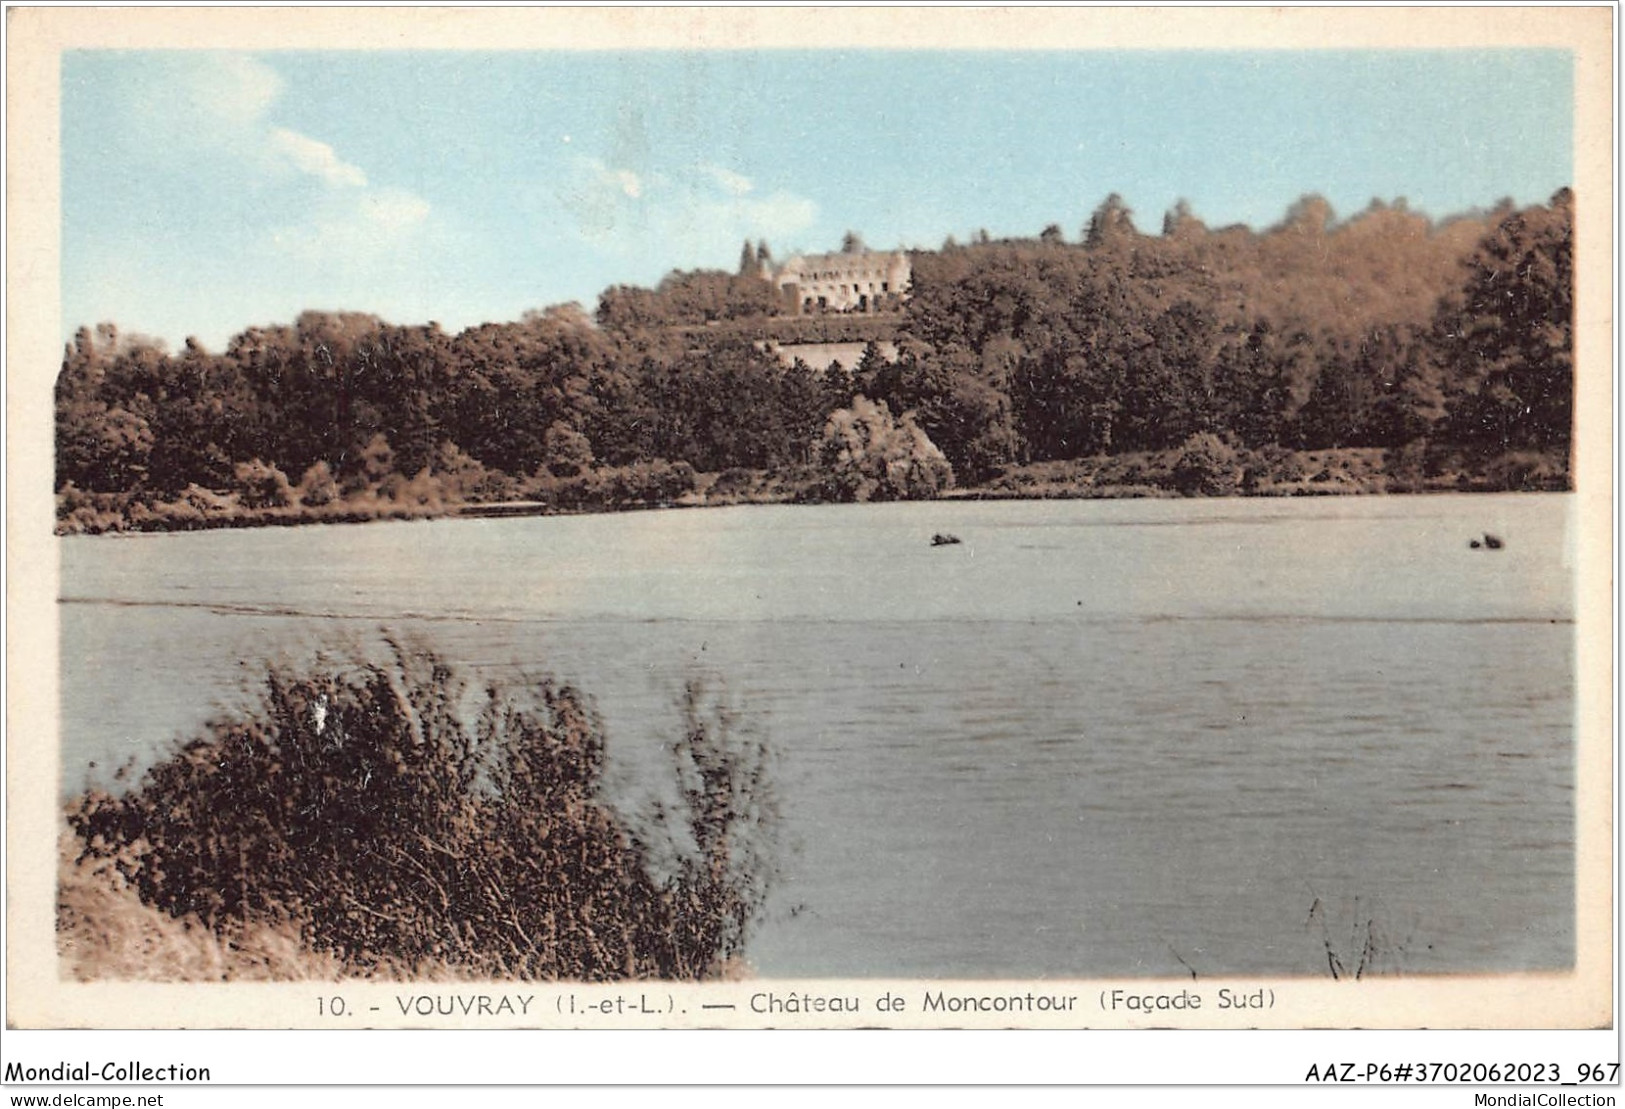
(846, 281)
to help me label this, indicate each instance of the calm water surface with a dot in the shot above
(1096, 738)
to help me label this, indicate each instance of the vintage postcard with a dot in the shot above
(912, 518)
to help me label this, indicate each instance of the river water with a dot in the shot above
(1094, 738)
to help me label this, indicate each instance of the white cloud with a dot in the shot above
(736, 184)
(709, 218)
(223, 107)
(235, 86)
(627, 182)
(354, 228)
(689, 217)
(780, 214)
(605, 202)
(226, 106)
(393, 210)
(598, 176)
(196, 101)
(300, 225)
(226, 90)
(318, 159)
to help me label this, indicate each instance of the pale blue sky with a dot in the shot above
(206, 192)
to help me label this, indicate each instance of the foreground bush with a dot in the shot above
(358, 806)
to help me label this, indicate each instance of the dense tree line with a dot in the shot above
(1380, 332)
(1449, 346)
(369, 405)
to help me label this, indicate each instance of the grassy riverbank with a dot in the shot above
(105, 933)
(1214, 470)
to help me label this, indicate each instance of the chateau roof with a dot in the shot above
(845, 261)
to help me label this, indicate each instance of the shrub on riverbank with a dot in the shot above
(266, 500)
(869, 456)
(1202, 466)
(1270, 471)
(359, 807)
(607, 489)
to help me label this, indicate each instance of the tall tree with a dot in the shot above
(1111, 222)
(1508, 336)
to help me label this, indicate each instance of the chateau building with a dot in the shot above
(846, 281)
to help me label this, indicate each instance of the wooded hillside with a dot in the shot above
(1448, 346)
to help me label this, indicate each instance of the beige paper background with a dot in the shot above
(35, 996)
